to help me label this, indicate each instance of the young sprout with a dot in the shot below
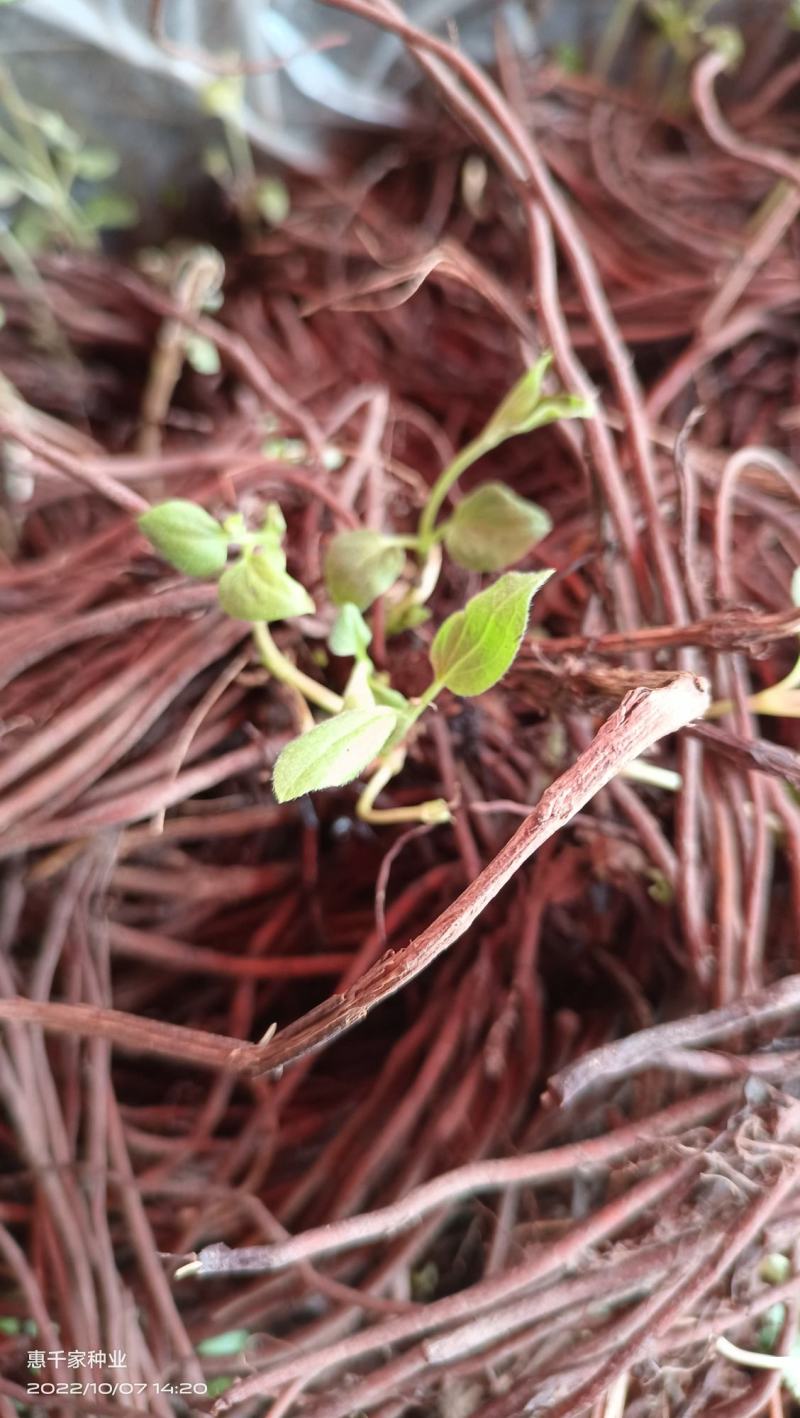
(370, 725)
(231, 163)
(490, 529)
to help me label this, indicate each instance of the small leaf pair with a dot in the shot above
(257, 586)
(525, 408)
(187, 536)
(472, 650)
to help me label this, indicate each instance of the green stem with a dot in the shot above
(241, 154)
(446, 479)
(436, 810)
(282, 668)
(409, 543)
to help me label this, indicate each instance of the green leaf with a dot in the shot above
(350, 634)
(493, 527)
(202, 354)
(476, 646)
(272, 200)
(360, 566)
(256, 588)
(9, 1324)
(222, 1346)
(110, 211)
(333, 753)
(96, 164)
(187, 536)
(524, 409)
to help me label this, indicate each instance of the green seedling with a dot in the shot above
(370, 725)
(489, 530)
(231, 163)
(52, 183)
(684, 27)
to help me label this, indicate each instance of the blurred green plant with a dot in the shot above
(52, 183)
(257, 198)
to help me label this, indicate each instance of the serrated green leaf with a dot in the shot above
(493, 527)
(350, 634)
(476, 646)
(222, 1346)
(110, 211)
(333, 753)
(96, 164)
(272, 200)
(360, 566)
(257, 588)
(202, 354)
(187, 536)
